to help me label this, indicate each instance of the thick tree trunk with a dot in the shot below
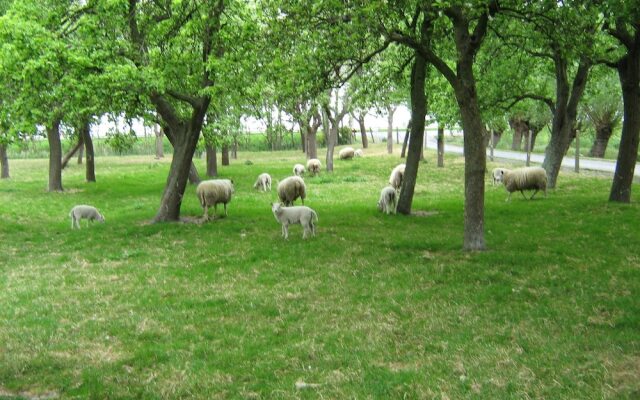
(55, 157)
(225, 154)
(332, 139)
(312, 145)
(441, 146)
(564, 117)
(4, 161)
(405, 142)
(418, 114)
(193, 176)
(520, 129)
(159, 141)
(363, 131)
(72, 152)
(601, 141)
(212, 161)
(629, 73)
(90, 168)
(390, 112)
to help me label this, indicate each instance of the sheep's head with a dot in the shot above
(100, 218)
(275, 207)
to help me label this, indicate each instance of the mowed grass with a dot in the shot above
(374, 306)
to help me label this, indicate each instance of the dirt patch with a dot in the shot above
(28, 395)
(424, 213)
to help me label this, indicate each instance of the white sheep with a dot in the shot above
(82, 211)
(387, 201)
(213, 192)
(347, 153)
(313, 166)
(289, 189)
(527, 178)
(496, 175)
(298, 169)
(295, 215)
(263, 182)
(395, 179)
(358, 153)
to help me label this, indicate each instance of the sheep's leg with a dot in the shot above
(285, 228)
(206, 213)
(73, 225)
(225, 209)
(522, 193)
(534, 193)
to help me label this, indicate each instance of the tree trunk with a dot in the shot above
(225, 154)
(312, 145)
(405, 142)
(55, 157)
(212, 161)
(72, 152)
(520, 129)
(564, 116)
(159, 141)
(90, 169)
(441, 146)
(80, 155)
(418, 114)
(194, 176)
(629, 73)
(390, 112)
(363, 131)
(496, 135)
(601, 141)
(332, 139)
(303, 138)
(4, 161)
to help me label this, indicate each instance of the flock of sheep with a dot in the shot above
(219, 191)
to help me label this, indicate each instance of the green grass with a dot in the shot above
(374, 306)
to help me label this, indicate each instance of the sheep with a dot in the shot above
(387, 202)
(263, 182)
(213, 192)
(313, 166)
(347, 153)
(82, 211)
(395, 179)
(358, 153)
(298, 169)
(289, 189)
(527, 178)
(295, 215)
(496, 174)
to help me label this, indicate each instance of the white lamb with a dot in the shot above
(395, 180)
(347, 153)
(313, 166)
(298, 169)
(289, 189)
(213, 192)
(263, 182)
(295, 215)
(387, 202)
(90, 213)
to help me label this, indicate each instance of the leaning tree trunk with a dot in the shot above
(4, 161)
(55, 157)
(601, 141)
(72, 152)
(363, 131)
(159, 142)
(212, 161)
(418, 114)
(629, 73)
(405, 142)
(194, 177)
(90, 169)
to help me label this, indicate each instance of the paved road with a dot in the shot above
(568, 162)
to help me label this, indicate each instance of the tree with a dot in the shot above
(603, 108)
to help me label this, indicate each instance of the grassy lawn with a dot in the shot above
(374, 306)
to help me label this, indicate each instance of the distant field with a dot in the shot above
(375, 306)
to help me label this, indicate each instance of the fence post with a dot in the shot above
(577, 167)
(529, 148)
(372, 139)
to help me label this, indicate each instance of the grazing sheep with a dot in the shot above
(295, 215)
(347, 153)
(387, 202)
(313, 166)
(298, 169)
(289, 189)
(90, 213)
(358, 153)
(213, 192)
(395, 180)
(263, 182)
(527, 178)
(496, 174)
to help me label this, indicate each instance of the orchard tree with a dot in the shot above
(602, 107)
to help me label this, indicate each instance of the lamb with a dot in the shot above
(496, 174)
(395, 180)
(298, 169)
(347, 153)
(527, 178)
(387, 202)
(289, 189)
(263, 182)
(213, 192)
(358, 153)
(313, 166)
(90, 213)
(295, 215)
